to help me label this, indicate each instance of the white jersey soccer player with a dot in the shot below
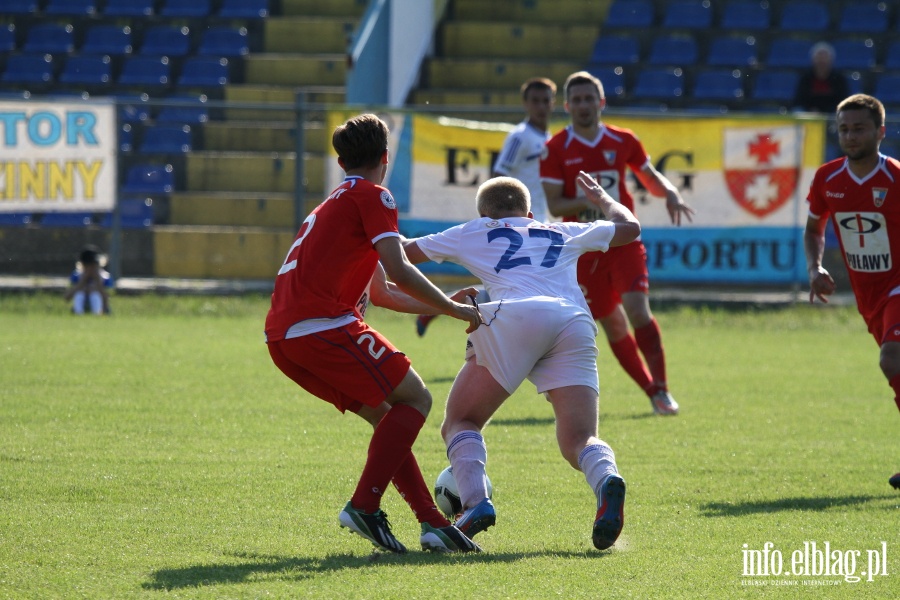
(520, 157)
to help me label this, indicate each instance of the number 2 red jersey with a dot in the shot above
(866, 218)
(333, 258)
(605, 158)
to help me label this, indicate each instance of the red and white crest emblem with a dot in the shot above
(762, 166)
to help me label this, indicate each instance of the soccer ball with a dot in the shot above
(446, 494)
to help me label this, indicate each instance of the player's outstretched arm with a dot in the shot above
(659, 185)
(821, 284)
(627, 226)
(387, 294)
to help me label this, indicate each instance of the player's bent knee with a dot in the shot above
(889, 359)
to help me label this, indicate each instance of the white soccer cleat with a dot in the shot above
(663, 403)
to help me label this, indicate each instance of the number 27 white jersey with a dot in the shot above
(518, 257)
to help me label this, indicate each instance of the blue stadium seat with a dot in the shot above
(129, 8)
(244, 9)
(52, 38)
(658, 83)
(730, 51)
(133, 109)
(688, 14)
(629, 14)
(775, 86)
(195, 9)
(87, 70)
(20, 7)
(29, 69)
(67, 219)
(726, 85)
(204, 71)
(804, 15)
(866, 18)
(134, 213)
(854, 54)
(165, 40)
(612, 79)
(126, 138)
(887, 88)
(224, 41)
(114, 40)
(167, 139)
(789, 53)
(190, 110)
(71, 7)
(673, 50)
(149, 179)
(145, 71)
(15, 219)
(746, 14)
(892, 57)
(8, 38)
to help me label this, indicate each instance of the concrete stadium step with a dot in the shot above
(296, 69)
(219, 252)
(262, 136)
(493, 74)
(467, 39)
(588, 12)
(277, 94)
(509, 99)
(251, 172)
(231, 209)
(308, 34)
(323, 8)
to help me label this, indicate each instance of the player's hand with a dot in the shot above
(677, 208)
(821, 284)
(467, 312)
(590, 186)
(461, 295)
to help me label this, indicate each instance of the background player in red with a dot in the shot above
(861, 193)
(316, 334)
(616, 283)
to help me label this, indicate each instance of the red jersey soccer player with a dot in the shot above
(615, 283)
(317, 337)
(861, 193)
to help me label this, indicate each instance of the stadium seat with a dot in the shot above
(134, 213)
(195, 9)
(167, 139)
(165, 40)
(629, 14)
(865, 18)
(612, 79)
(67, 219)
(52, 38)
(775, 86)
(190, 110)
(145, 71)
(688, 14)
(244, 9)
(657, 83)
(887, 88)
(725, 85)
(730, 51)
(675, 50)
(126, 138)
(804, 15)
(854, 54)
(224, 41)
(71, 7)
(7, 38)
(20, 7)
(133, 109)
(892, 57)
(29, 69)
(149, 179)
(746, 14)
(114, 40)
(789, 53)
(129, 8)
(15, 219)
(204, 71)
(87, 70)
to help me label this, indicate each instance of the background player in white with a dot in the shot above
(861, 193)
(538, 327)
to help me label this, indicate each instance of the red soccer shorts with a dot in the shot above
(605, 276)
(884, 323)
(348, 366)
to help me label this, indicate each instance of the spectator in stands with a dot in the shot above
(90, 283)
(821, 87)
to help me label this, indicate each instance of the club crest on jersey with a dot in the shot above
(609, 156)
(878, 196)
(493, 224)
(388, 200)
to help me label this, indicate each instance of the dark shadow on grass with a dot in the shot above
(740, 509)
(286, 568)
(528, 422)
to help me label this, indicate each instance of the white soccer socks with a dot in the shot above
(597, 462)
(468, 455)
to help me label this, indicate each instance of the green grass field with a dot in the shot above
(159, 453)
